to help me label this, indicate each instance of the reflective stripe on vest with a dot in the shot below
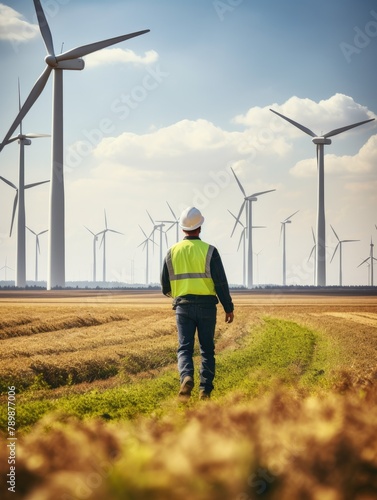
(196, 278)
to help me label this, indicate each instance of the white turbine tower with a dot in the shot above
(37, 249)
(95, 239)
(320, 142)
(146, 247)
(339, 245)
(282, 231)
(19, 206)
(248, 200)
(371, 258)
(103, 242)
(69, 60)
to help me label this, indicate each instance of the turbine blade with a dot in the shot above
(89, 231)
(44, 28)
(19, 103)
(42, 232)
(35, 184)
(31, 230)
(287, 219)
(239, 222)
(36, 136)
(334, 233)
(33, 96)
(38, 247)
(313, 237)
(298, 125)
(8, 182)
(84, 50)
(311, 253)
(333, 255)
(14, 212)
(238, 218)
(238, 182)
(281, 230)
(364, 262)
(113, 231)
(349, 241)
(347, 127)
(150, 217)
(240, 241)
(260, 193)
(142, 230)
(171, 210)
(12, 139)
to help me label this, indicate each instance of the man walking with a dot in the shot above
(193, 274)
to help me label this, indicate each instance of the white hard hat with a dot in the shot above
(191, 219)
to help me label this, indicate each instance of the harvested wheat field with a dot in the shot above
(293, 414)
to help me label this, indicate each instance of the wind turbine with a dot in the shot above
(339, 245)
(69, 60)
(37, 249)
(158, 227)
(5, 268)
(371, 258)
(19, 206)
(320, 142)
(282, 231)
(95, 239)
(248, 200)
(243, 241)
(19, 201)
(103, 242)
(311, 253)
(173, 223)
(146, 247)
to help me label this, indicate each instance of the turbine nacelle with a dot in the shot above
(73, 64)
(24, 141)
(321, 140)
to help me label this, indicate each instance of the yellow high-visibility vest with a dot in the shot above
(188, 264)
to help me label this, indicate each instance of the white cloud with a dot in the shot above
(363, 162)
(119, 56)
(328, 114)
(12, 26)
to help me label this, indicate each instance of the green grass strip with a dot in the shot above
(278, 350)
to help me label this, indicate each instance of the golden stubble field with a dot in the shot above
(286, 445)
(85, 335)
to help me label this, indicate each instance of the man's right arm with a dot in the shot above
(165, 281)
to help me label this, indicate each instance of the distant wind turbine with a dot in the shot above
(95, 239)
(173, 223)
(69, 60)
(103, 242)
(19, 201)
(339, 245)
(282, 232)
(243, 241)
(320, 142)
(146, 247)
(158, 227)
(371, 260)
(248, 200)
(19, 206)
(37, 249)
(6, 267)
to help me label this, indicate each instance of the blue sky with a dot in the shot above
(162, 117)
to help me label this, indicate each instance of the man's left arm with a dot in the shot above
(221, 285)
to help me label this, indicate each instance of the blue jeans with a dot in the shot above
(201, 318)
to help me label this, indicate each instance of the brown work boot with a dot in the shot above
(186, 388)
(204, 395)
